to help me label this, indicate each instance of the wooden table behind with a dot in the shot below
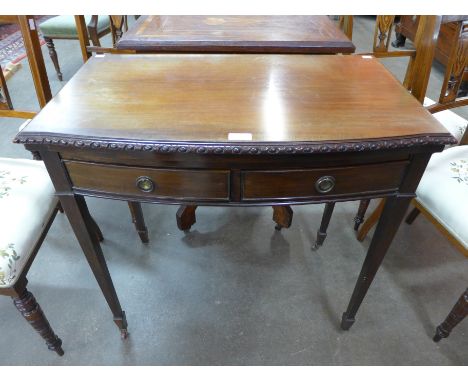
(236, 34)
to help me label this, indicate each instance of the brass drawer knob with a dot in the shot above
(145, 184)
(325, 184)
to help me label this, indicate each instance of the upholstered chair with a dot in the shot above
(64, 27)
(28, 207)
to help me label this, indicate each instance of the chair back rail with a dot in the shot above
(417, 79)
(36, 63)
(453, 78)
(5, 100)
(420, 58)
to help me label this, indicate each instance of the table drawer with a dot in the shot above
(150, 182)
(321, 182)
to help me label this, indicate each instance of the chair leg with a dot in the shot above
(359, 218)
(412, 215)
(32, 312)
(53, 56)
(458, 313)
(282, 216)
(322, 232)
(186, 217)
(371, 221)
(139, 221)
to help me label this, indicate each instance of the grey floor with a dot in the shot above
(234, 291)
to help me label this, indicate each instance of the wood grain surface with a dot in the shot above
(203, 98)
(235, 34)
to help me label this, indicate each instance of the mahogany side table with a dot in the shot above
(234, 130)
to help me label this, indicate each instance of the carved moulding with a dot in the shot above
(240, 148)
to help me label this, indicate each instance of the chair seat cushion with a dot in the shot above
(455, 124)
(65, 27)
(443, 191)
(26, 203)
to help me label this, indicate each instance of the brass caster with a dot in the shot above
(315, 247)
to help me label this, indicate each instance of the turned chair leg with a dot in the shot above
(322, 232)
(32, 312)
(282, 216)
(412, 216)
(359, 218)
(458, 313)
(186, 217)
(139, 221)
(53, 56)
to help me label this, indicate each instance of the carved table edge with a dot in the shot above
(237, 148)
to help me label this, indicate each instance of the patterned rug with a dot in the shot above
(12, 49)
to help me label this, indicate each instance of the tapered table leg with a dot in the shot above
(97, 230)
(81, 222)
(393, 213)
(359, 218)
(371, 221)
(412, 216)
(322, 232)
(139, 221)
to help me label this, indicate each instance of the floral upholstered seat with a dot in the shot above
(455, 124)
(443, 191)
(26, 203)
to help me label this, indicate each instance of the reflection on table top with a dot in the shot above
(203, 98)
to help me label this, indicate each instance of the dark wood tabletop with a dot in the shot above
(236, 34)
(274, 98)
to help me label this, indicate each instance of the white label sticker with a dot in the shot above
(32, 24)
(367, 56)
(239, 137)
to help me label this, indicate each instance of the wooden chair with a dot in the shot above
(416, 79)
(26, 200)
(64, 27)
(36, 63)
(456, 315)
(448, 99)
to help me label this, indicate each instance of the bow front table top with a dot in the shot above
(234, 130)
